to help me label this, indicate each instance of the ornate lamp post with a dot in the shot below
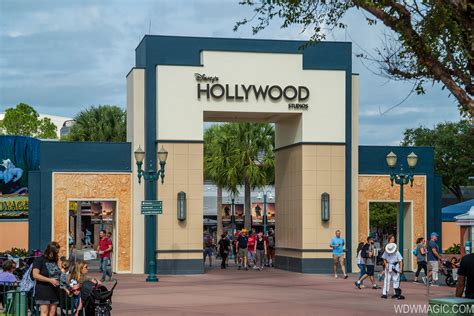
(401, 179)
(152, 176)
(232, 218)
(266, 195)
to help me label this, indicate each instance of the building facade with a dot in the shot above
(177, 84)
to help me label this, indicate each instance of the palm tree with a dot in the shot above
(241, 154)
(105, 123)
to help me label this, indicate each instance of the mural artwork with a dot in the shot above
(18, 155)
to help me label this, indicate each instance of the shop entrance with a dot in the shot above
(384, 221)
(86, 220)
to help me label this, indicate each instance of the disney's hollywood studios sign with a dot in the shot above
(208, 87)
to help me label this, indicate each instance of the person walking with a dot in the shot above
(466, 277)
(433, 258)
(251, 249)
(242, 243)
(420, 253)
(47, 274)
(393, 269)
(368, 255)
(337, 245)
(208, 248)
(360, 261)
(224, 249)
(104, 250)
(271, 247)
(260, 250)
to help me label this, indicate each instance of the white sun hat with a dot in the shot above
(391, 248)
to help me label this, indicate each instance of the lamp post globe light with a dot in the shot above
(151, 175)
(266, 195)
(402, 178)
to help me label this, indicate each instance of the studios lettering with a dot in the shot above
(209, 88)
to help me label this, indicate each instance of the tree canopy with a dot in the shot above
(453, 143)
(106, 123)
(23, 120)
(240, 154)
(383, 218)
(430, 40)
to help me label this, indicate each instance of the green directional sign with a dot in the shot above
(152, 207)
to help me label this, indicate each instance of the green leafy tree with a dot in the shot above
(453, 143)
(429, 40)
(241, 154)
(23, 120)
(383, 218)
(105, 123)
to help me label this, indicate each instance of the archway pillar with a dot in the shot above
(302, 173)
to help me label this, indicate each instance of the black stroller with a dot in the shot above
(97, 299)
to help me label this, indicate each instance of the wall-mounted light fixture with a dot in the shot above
(325, 207)
(181, 206)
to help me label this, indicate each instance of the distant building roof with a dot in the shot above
(57, 120)
(449, 212)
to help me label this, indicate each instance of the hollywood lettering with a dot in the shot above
(244, 92)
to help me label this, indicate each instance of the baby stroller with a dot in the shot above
(97, 299)
(447, 270)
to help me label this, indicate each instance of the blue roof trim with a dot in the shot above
(448, 212)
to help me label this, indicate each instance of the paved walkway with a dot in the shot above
(268, 292)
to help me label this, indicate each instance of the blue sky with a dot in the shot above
(63, 56)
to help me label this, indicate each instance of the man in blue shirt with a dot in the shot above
(433, 258)
(337, 245)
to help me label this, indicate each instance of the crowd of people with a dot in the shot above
(50, 276)
(389, 258)
(250, 250)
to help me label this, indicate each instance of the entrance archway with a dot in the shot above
(306, 93)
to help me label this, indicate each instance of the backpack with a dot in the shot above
(26, 283)
(364, 253)
(209, 242)
(415, 251)
(271, 241)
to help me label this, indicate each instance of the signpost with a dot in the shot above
(152, 207)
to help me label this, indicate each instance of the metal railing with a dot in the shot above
(14, 302)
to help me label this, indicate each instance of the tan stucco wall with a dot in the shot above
(95, 186)
(451, 233)
(377, 188)
(136, 136)
(13, 234)
(303, 173)
(184, 172)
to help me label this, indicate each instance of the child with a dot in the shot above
(75, 294)
(454, 267)
(7, 275)
(64, 277)
(393, 270)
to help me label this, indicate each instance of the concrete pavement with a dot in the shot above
(268, 292)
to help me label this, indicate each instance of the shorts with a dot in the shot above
(243, 252)
(251, 255)
(338, 258)
(46, 302)
(370, 270)
(434, 266)
(208, 252)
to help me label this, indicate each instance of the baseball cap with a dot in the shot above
(244, 230)
(434, 234)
